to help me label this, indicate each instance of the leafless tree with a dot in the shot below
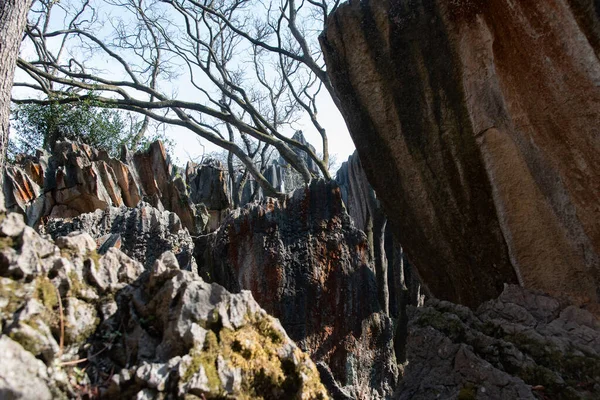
(251, 68)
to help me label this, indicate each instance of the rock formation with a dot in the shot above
(298, 136)
(75, 324)
(78, 179)
(307, 265)
(523, 345)
(145, 232)
(397, 283)
(207, 183)
(476, 125)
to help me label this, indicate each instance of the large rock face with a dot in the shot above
(476, 123)
(523, 345)
(306, 264)
(75, 324)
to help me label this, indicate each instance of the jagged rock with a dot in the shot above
(161, 333)
(49, 304)
(484, 156)
(22, 249)
(398, 285)
(162, 186)
(205, 342)
(298, 136)
(307, 265)
(145, 232)
(24, 193)
(78, 179)
(208, 186)
(524, 345)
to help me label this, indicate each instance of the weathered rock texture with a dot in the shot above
(207, 183)
(312, 166)
(52, 299)
(164, 333)
(307, 265)
(145, 232)
(78, 179)
(179, 335)
(397, 283)
(523, 345)
(476, 123)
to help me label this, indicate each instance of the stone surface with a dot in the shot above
(144, 232)
(307, 265)
(130, 334)
(312, 166)
(51, 305)
(183, 336)
(77, 179)
(524, 345)
(398, 285)
(483, 153)
(22, 376)
(208, 186)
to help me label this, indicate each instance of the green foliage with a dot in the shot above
(36, 126)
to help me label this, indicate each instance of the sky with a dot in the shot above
(188, 145)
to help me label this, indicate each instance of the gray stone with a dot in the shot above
(22, 376)
(78, 242)
(145, 232)
(307, 264)
(505, 349)
(12, 225)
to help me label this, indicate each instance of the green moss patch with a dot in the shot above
(46, 293)
(254, 350)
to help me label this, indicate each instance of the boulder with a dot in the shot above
(523, 345)
(308, 265)
(208, 187)
(185, 337)
(22, 376)
(475, 123)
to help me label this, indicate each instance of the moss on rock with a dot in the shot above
(256, 351)
(46, 292)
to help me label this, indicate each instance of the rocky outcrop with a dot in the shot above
(188, 337)
(397, 283)
(75, 324)
(77, 179)
(484, 156)
(207, 183)
(312, 166)
(306, 264)
(523, 345)
(144, 232)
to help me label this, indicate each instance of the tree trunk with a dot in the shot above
(13, 16)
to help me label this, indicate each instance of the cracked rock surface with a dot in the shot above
(144, 232)
(523, 345)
